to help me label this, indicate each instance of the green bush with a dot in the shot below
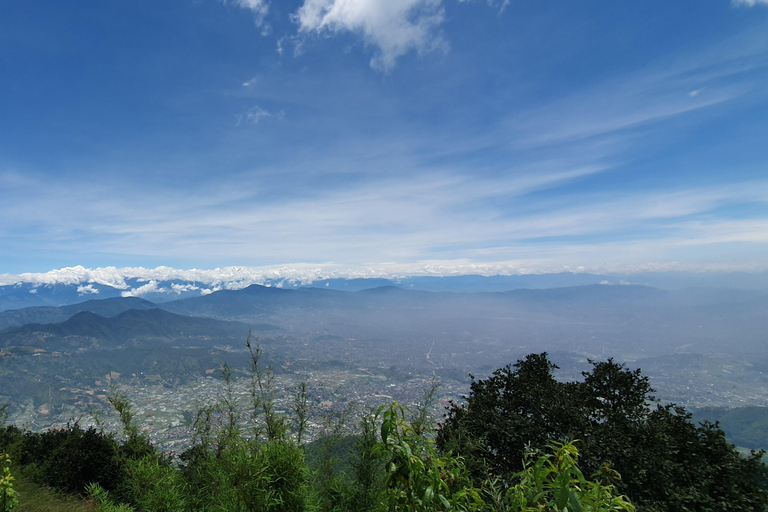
(102, 502)
(553, 481)
(71, 458)
(417, 478)
(8, 499)
(250, 475)
(156, 485)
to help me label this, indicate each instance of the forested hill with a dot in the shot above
(85, 328)
(50, 314)
(745, 426)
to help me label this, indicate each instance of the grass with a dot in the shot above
(34, 498)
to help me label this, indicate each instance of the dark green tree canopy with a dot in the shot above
(666, 462)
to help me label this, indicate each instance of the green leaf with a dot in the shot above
(429, 493)
(562, 482)
(575, 503)
(386, 428)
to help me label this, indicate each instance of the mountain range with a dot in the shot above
(77, 284)
(625, 318)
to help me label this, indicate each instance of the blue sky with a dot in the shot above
(402, 134)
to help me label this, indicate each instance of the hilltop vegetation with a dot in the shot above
(666, 462)
(519, 441)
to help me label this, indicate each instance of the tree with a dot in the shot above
(665, 461)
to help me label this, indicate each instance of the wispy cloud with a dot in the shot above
(750, 231)
(402, 219)
(256, 114)
(252, 82)
(749, 3)
(683, 83)
(259, 8)
(500, 4)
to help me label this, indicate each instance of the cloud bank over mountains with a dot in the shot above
(167, 283)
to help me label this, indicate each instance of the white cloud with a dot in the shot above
(178, 289)
(150, 287)
(393, 27)
(529, 262)
(108, 276)
(87, 289)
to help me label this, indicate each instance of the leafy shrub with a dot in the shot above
(102, 502)
(250, 475)
(554, 482)
(156, 485)
(8, 499)
(417, 478)
(71, 458)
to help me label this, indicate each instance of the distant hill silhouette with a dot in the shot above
(49, 314)
(87, 328)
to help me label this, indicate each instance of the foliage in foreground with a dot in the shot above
(8, 499)
(667, 463)
(255, 460)
(554, 482)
